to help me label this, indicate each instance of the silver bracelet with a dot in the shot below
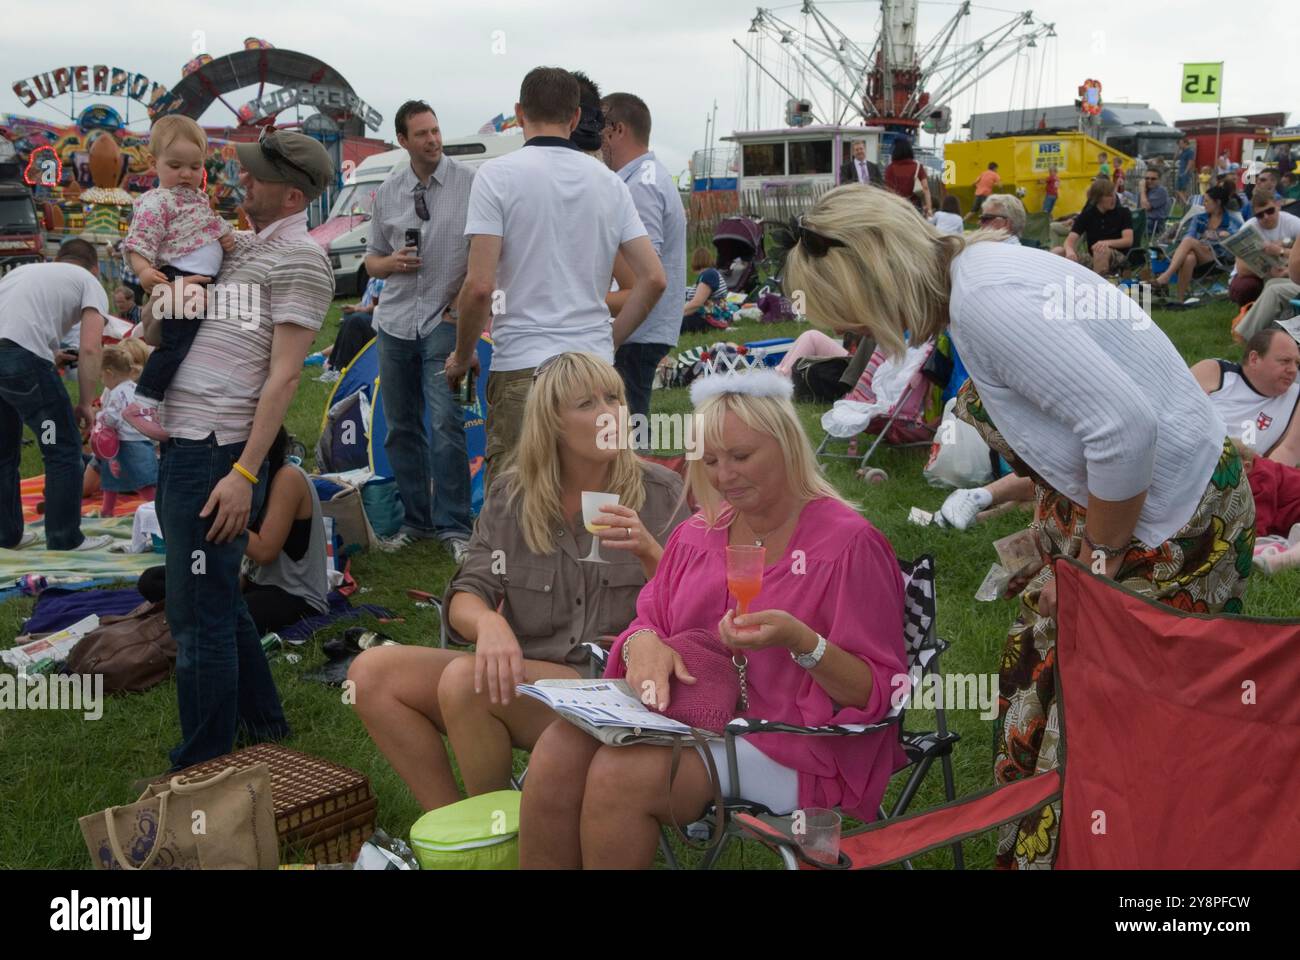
(626, 652)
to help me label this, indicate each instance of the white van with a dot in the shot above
(345, 232)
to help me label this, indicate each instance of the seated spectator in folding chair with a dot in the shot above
(1002, 211)
(356, 329)
(524, 595)
(1154, 199)
(1267, 180)
(810, 652)
(1280, 231)
(1134, 473)
(1203, 243)
(1108, 228)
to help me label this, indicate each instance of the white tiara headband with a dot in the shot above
(756, 382)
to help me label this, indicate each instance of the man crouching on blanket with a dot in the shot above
(222, 411)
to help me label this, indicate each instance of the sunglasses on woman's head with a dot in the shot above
(547, 364)
(817, 244)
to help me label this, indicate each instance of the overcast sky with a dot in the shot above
(676, 54)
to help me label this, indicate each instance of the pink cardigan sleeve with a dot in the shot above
(867, 621)
(652, 611)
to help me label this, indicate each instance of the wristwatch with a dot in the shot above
(814, 657)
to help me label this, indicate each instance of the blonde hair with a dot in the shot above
(137, 350)
(774, 416)
(532, 475)
(173, 127)
(117, 359)
(890, 277)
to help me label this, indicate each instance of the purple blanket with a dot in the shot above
(57, 608)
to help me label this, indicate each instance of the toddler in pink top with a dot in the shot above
(174, 234)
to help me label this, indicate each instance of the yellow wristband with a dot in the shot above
(244, 473)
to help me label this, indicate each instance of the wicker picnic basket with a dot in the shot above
(324, 812)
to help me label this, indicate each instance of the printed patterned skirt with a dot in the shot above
(1201, 569)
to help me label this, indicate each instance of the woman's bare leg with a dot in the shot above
(627, 799)
(396, 696)
(482, 733)
(550, 815)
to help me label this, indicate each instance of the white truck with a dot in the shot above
(345, 232)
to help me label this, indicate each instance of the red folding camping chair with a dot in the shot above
(1183, 735)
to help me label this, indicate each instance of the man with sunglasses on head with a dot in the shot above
(225, 406)
(415, 325)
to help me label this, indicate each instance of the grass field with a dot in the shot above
(55, 767)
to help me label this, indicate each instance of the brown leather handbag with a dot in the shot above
(134, 651)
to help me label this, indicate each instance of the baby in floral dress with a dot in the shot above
(174, 234)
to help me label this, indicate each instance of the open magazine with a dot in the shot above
(608, 710)
(1247, 245)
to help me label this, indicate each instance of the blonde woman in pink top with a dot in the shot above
(832, 596)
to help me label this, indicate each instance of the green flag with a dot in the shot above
(1202, 82)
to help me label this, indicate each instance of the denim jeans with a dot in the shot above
(1048, 204)
(410, 374)
(636, 363)
(223, 682)
(31, 393)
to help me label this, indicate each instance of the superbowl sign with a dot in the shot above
(311, 95)
(107, 81)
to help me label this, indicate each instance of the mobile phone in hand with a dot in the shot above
(413, 239)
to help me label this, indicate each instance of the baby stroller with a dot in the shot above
(739, 242)
(896, 399)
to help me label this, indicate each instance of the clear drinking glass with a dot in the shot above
(820, 838)
(745, 574)
(592, 502)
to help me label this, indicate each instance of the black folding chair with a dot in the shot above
(922, 748)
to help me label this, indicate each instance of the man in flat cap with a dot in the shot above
(224, 408)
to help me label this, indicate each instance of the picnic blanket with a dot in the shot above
(94, 564)
(33, 492)
(58, 608)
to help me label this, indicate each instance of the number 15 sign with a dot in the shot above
(1202, 82)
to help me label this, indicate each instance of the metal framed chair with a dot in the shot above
(922, 748)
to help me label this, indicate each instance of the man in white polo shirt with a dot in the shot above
(545, 224)
(627, 151)
(40, 304)
(224, 407)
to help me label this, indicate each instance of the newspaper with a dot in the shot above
(1247, 245)
(53, 646)
(606, 709)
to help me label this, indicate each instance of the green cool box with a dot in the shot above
(481, 833)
